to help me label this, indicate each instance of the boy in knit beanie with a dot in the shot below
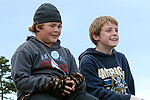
(41, 68)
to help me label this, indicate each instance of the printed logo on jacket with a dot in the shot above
(54, 61)
(113, 79)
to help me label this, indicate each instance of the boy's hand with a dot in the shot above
(78, 79)
(55, 86)
(135, 98)
(60, 86)
(69, 86)
(64, 85)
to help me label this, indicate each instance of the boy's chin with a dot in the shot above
(54, 40)
(113, 46)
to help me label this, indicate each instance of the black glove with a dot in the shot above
(78, 78)
(56, 86)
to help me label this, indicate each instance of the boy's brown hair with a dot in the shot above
(97, 24)
(33, 27)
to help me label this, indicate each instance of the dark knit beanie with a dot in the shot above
(47, 13)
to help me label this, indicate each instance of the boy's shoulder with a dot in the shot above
(120, 54)
(65, 50)
(26, 46)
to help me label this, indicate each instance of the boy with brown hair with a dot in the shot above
(41, 68)
(107, 72)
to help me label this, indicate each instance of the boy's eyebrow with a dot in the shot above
(112, 27)
(55, 23)
(109, 28)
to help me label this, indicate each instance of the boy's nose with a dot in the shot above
(56, 29)
(115, 33)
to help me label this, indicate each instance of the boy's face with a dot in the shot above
(50, 33)
(108, 37)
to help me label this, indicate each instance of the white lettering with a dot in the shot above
(104, 73)
(101, 73)
(111, 72)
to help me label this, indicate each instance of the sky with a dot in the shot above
(77, 15)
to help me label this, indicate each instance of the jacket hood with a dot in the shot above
(92, 51)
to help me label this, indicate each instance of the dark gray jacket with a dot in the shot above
(34, 64)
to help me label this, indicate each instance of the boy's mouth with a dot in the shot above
(114, 39)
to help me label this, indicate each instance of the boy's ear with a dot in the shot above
(37, 28)
(95, 37)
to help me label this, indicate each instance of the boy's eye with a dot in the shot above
(52, 26)
(108, 30)
(116, 30)
(59, 26)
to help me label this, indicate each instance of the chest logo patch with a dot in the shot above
(55, 54)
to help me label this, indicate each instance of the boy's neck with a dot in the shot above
(48, 44)
(105, 50)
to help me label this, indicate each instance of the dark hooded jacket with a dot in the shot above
(34, 64)
(108, 77)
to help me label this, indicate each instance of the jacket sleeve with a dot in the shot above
(72, 66)
(21, 64)
(94, 84)
(128, 74)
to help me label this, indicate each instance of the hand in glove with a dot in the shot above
(60, 86)
(78, 79)
(69, 86)
(55, 86)
(135, 98)
(73, 82)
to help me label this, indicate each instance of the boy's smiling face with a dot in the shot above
(108, 37)
(50, 33)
